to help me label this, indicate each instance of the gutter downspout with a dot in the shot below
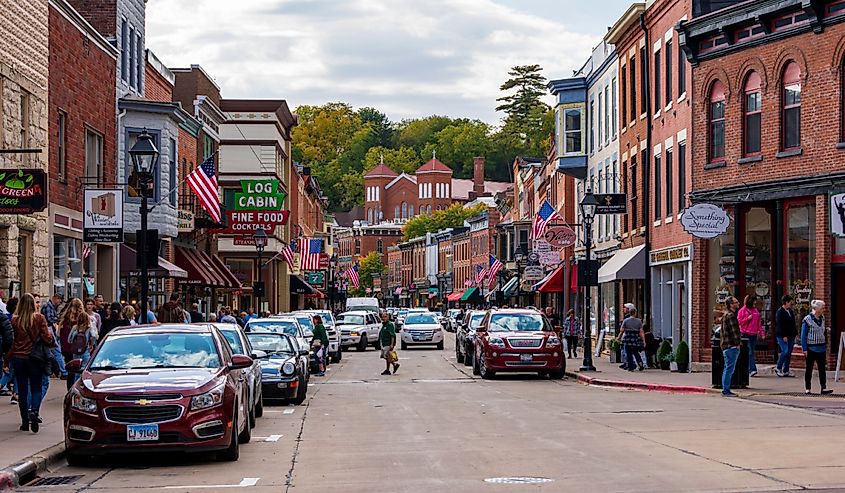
(647, 318)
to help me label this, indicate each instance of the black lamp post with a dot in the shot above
(519, 256)
(588, 213)
(260, 238)
(332, 281)
(144, 155)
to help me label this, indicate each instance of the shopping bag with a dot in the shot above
(394, 357)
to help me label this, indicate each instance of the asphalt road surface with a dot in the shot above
(433, 427)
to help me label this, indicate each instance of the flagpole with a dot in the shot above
(182, 181)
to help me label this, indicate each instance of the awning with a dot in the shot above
(318, 295)
(553, 283)
(164, 269)
(509, 289)
(470, 293)
(628, 263)
(455, 296)
(224, 269)
(203, 270)
(299, 286)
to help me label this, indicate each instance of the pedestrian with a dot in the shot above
(82, 340)
(212, 317)
(814, 344)
(227, 317)
(129, 315)
(171, 312)
(322, 336)
(240, 318)
(785, 332)
(51, 312)
(116, 319)
(751, 326)
(67, 320)
(250, 314)
(101, 308)
(553, 317)
(7, 338)
(633, 339)
(28, 357)
(151, 316)
(571, 333)
(7, 370)
(186, 315)
(196, 316)
(96, 321)
(387, 338)
(731, 339)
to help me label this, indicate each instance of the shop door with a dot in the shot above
(756, 266)
(837, 312)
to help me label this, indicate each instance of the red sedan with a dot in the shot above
(517, 340)
(158, 388)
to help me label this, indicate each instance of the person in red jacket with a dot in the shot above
(29, 327)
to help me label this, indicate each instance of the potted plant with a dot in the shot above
(615, 350)
(664, 355)
(682, 357)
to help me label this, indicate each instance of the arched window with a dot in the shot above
(791, 113)
(405, 210)
(380, 246)
(752, 107)
(717, 122)
(437, 208)
(396, 213)
(428, 209)
(370, 216)
(446, 195)
(411, 211)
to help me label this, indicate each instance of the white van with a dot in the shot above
(359, 304)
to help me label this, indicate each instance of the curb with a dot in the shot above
(646, 386)
(26, 470)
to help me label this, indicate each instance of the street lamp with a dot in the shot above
(332, 281)
(260, 238)
(144, 155)
(588, 212)
(519, 256)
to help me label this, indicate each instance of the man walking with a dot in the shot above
(731, 339)
(785, 332)
(387, 338)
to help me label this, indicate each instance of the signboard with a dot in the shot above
(184, 221)
(560, 236)
(550, 258)
(324, 260)
(533, 273)
(611, 203)
(316, 279)
(705, 220)
(103, 216)
(23, 191)
(668, 255)
(541, 246)
(247, 222)
(837, 214)
(588, 273)
(257, 195)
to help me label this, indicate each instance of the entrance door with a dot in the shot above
(837, 310)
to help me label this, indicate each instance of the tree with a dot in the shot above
(458, 144)
(369, 265)
(525, 110)
(451, 217)
(417, 133)
(404, 159)
(379, 123)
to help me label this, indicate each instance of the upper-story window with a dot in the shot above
(380, 246)
(93, 158)
(657, 101)
(668, 75)
(570, 121)
(835, 8)
(405, 210)
(607, 114)
(592, 126)
(61, 131)
(632, 81)
(791, 118)
(370, 216)
(749, 32)
(682, 73)
(357, 246)
(717, 122)
(623, 96)
(396, 213)
(711, 44)
(751, 125)
(599, 118)
(788, 21)
(613, 115)
(124, 50)
(133, 64)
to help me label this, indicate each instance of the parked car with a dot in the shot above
(172, 387)
(240, 345)
(421, 329)
(284, 324)
(335, 349)
(282, 373)
(465, 336)
(359, 329)
(517, 340)
(400, 317)
(452, 317)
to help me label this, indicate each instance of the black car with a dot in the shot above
(465, 336)
(283, 375)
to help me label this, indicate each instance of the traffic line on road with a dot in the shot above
(271, 438)
(245, 483)
(288, 411)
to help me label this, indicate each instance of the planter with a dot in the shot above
(683, 367)
(615, 356)
(665, 365)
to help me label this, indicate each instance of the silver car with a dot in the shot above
(422, 329)
(285, 324)
(241, 345)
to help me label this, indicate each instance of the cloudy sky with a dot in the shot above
(408, 58)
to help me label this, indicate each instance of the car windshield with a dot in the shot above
(234, 340)
(350, 320)
(519, 322)
(306, 323)
(161, 350)
(475, 320)
(270, 343)
(279, 326)
(416, 319)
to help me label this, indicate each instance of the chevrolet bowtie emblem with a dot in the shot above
(143, 402)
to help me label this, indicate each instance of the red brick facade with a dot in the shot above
(156, 87)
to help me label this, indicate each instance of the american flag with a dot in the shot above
(480, 274)
(86, 250)
(309, 253)
(352, 275)
(287, 254)
(495, 267)
(545, 215)
(204, 183)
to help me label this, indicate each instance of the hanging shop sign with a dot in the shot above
(541, 246)
(266, 195)
(184, 221)
(560, 236)
(550, 258)
(705, 220)
(837, 214)
(22, 191)
(533, 273)
(611, 203)
(247, 222)
(103, 211)
(316, 279)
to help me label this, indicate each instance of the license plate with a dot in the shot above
(141, 433)
(526, 358)
(282, 385)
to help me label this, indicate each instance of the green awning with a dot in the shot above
(469, 294)
(510, 288)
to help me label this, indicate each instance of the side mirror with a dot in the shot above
(304, 352)
(258, 354)
(74, 366)
(239, 362)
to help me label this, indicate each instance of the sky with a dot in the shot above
(406, 58)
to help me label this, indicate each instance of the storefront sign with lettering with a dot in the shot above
(260, 195)
(837, 214)
(103, 221)
(705, 220)
(247, 222)
(22, 191)
(184, 221)
(669, 255)
(560, 236)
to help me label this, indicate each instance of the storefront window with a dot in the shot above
(242, 269)
(608, 307)
(801, 256)
(67, 267)
(721, 273)
(758, 262)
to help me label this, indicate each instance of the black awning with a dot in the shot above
(299, 286)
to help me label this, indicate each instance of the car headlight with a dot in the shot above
(552, 341)
(353, 334)
(288, 368)
(213, 397)
(497, 342)
(84, 404)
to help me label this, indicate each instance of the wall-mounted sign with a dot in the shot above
(705, 220)
(103, 211)
(533, 273)
(837, 214)
(541, 246)
(184, 221)
(681, 253)
(256, 195)
(316, 279)
(611, 203)
(247, 222)
(560, 236)
(22, 191)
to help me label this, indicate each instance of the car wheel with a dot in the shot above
(557, 374)
(233, 452)
(485, 372)
(458, 356)
(76, 460)
(440, 345)
(259, 407)
(403, 345)
(475, 369)
(362, 344)
(302, 392)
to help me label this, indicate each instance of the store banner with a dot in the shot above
(22, 191)
(184, 221)
(103, 211)
(265, 195)
(247, 222)
(705, 221)
(837, 214)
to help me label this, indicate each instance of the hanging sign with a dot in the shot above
(316, 279)
(22, 191)
(541, 246)
(837, 214)
(184, 221)
(611, 203)
(103, 221)
(560, 236)
(247, 222)
(533, 273)
(550, 258)
(260, 195)
(705, 220)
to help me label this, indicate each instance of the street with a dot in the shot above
(434, 427)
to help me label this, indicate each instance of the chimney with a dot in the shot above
(478, 175)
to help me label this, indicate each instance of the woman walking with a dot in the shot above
(322, 336)
(750, 326)
(129, 315)
(814, 344)
(83, 340)
(67, 320)
(571, 333)
(117, 318)
(633, 338)
(31, 331)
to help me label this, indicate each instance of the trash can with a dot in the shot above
(740, 376)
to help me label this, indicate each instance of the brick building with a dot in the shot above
(82, 107)
(394, 275)
(463, 275)
(767, 142)
(358, 241)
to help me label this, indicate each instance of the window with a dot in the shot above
(625, 191)
(606, 114)
(61, 130)
(405, 210)
(717, 122)
(682, 175)
(132, 61)
(623, 96)
(380, 246)
(657, 101)
(67, 267)
(788, 21)
(644, 159)
(791, 119)
(132, 188)
(634, 193)
(93, 158)
(428, 209)
(711, 44)
(357, 246)
(613, 106)
(124, 50)
(751, 125)
(396, 213)
(592, 126)
(633, 83)
(656, 191)
(835, 8)
(668, 72)
(643, 80)
(599, 117)
(25, 102)
(669, 198)
(140, 58)
(370, 215)
(682, 74)
(174, 174)
(570, 123)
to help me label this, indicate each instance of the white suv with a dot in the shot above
(359, 329)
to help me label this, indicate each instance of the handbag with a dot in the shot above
(43, 356)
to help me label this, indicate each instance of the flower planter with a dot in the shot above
(665, 365)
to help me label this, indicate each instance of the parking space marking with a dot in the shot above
(271, 438)
(288, 411)
(245, 483)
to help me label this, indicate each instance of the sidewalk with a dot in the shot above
(19, 445)
(610, 375)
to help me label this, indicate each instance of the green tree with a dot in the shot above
(451, 217)
(419, 132)
(526, 113)
(379, 123)
(369, 265)
(404, 159)
(458, 144)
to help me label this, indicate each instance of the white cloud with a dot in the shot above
(407, 58)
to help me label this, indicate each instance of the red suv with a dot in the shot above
(517, 340)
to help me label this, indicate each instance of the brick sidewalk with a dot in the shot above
(18, 445)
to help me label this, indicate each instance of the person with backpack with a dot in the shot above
(67, 320)
(51, 312)
(171, 312)
(82, 340)
(28, 357)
